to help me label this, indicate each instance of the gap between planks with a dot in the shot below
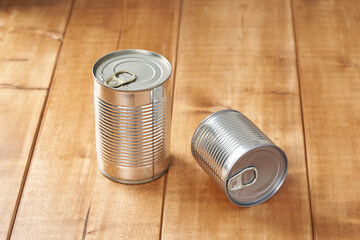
(41, 117)
(302, 115)
(172, 102)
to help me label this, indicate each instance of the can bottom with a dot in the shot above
(134, 182)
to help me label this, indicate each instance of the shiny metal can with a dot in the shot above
(133, 105)
(245, 163)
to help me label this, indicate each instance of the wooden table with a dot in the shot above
(291, 66)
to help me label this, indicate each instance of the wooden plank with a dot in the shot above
(240, 55)
(134, 212)
(31, 34)
(18, 123)
(328, 45)
(64, 187)
(24, 78)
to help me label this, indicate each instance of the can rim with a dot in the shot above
(143, 51)
(273, 191)
(137, 182)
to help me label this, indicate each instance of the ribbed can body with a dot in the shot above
(133, 128)
(133, 142)
(227, 142)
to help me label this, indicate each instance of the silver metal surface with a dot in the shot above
(133, 120)
(246, 164)
(236, 182)
(151, 69)
(114, 80)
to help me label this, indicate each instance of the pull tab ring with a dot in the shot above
(114, 82)
(235, 182)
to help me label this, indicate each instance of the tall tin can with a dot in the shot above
(133, 105)
(245, 163)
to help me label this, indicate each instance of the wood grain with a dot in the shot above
(65, 196)
(31, 32)
(240, 55)
(231, 54)
(18, 121)
(328, 43)
(27, 59)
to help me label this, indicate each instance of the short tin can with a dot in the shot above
(133, 105)
(245, 163)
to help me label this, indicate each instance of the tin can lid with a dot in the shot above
(132, 70)
(257, 175)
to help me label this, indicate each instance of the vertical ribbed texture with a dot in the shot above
(219, 136)
(133, 136)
